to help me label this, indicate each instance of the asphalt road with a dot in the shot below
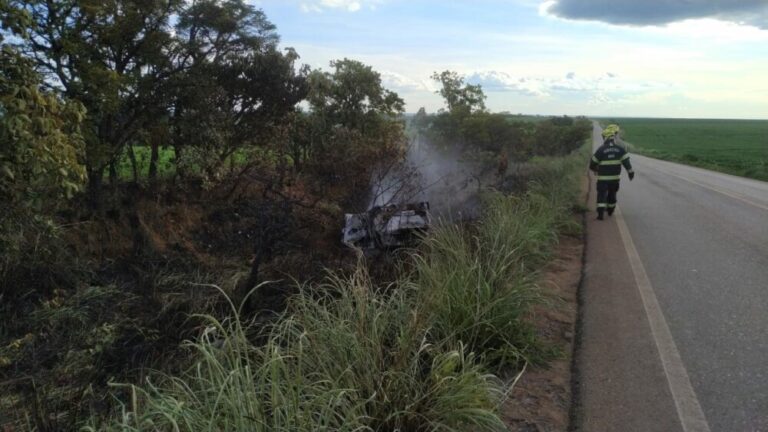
(700, 245)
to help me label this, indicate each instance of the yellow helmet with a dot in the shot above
(611, 130)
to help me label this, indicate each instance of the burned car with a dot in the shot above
(386, 227)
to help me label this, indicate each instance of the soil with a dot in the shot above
(541, 399)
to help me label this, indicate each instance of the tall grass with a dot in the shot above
(356, 359)
(479, 286)
(350, 356)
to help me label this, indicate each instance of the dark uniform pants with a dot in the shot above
(606, 195)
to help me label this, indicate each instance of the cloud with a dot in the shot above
(402, 84)
(659, 12)
(603, 88)
(347, 5)
(497, 81)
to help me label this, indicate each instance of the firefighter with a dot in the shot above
(607, 162)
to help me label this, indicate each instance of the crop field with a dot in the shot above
(738, 147)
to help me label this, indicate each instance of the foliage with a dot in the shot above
(109, 56)
(40, 142)
(731, 146)
(353, 97)
(479, 286)
(354, 126)
(350, 355)
(559, 136)
(355, 359)
(459, 97)
(198, 96)
(235, 87)
(467, 126)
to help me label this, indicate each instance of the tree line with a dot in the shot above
(85, 83)
(205, 78)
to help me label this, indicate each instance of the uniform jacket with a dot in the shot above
(607, 161)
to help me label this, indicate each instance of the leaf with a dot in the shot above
(8, 173)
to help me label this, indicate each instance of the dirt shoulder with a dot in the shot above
(541, 400)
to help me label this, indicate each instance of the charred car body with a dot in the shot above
(386, 227)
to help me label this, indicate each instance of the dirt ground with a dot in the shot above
(541, 400)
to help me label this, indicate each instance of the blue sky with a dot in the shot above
(657, 58)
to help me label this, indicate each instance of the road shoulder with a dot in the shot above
(620, 381)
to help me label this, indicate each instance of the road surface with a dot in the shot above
(674, 317)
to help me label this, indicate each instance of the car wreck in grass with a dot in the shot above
(386, 227)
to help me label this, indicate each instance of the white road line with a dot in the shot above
(687, 404)
(715, 189)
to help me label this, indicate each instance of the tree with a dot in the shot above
(459, 97)
(236, 87)
(353, 97)
(559, 136)
(40, 141)
(110, 56)
(355, 125)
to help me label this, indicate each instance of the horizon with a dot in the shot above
(690, 60)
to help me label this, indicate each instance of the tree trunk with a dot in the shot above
(177, 150)
(153, 158)
(95, 177)
(134, 165)
(113, 174)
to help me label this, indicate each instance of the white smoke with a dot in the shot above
(441, 177)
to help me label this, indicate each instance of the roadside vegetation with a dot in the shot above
(169, 232)
(738, 147)
(351, 354)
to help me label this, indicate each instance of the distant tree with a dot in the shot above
(459, 96)
(559, 136)
(420, 122)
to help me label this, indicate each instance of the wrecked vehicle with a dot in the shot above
(386, 227)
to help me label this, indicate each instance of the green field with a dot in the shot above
(166, 163)
(738, 147)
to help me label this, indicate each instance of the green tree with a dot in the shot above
(459, 96)
(40, 141)
(356, 125)
(236, 87)
(352, 96)
(40, 152)
(108, 55)
(559, 136)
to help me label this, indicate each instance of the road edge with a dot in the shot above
(573, 414)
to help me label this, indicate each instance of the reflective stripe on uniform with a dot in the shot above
(610, 162)
(594, 159)
(625, 157)
(611, 205)
(602, 205)
(613, 177)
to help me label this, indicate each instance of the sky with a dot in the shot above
(614, 58)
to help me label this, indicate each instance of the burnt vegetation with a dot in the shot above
(153, 149)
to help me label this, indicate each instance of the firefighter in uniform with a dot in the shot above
(607, 162)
